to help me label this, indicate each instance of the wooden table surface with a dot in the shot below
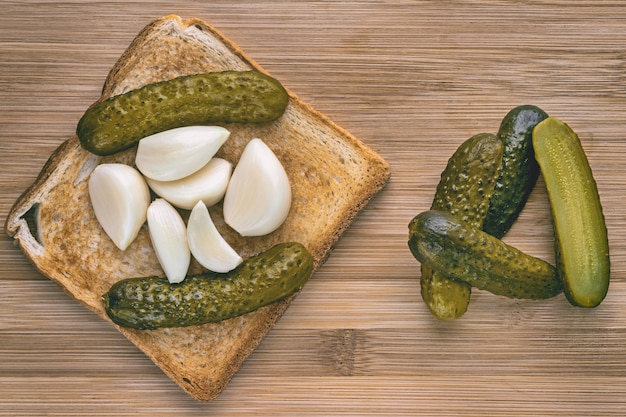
(412, 79)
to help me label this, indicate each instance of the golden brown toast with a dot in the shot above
(333, 176)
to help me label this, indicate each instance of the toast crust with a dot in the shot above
(333, 175)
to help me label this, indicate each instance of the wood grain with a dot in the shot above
(412, 79)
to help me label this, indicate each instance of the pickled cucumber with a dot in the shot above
(446, 244)
(519, 172)
(152, 302)
(581, 240)
(464, 190)
(121, 121)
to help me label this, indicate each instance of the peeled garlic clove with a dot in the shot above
(258, 197)
(177, 153)
(206, 243)
(169, 239)
(207, 184)
(120, 197)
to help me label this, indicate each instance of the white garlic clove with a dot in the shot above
(207, 184)
(120, 197)
(169, 239)
(206, 243)
(258, 197)
(177, 153)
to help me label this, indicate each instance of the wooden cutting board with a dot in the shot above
(412, 79)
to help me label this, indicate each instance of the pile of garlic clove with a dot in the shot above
(180, 167)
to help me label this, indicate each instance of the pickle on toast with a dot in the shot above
(152, 302)
(121, 121)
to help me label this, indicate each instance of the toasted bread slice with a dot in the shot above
(333, 176)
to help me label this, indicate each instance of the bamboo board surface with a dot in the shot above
(412, 79)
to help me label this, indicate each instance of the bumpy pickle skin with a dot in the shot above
(152, 302)
(581, 237)
(121, 121)
(465, 189)
(519, 172)
(445, 243)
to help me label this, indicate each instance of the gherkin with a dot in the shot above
(464, 190)
(440, 240)
(581, 237)
(519, 171)
(119, 122)
(152, 302)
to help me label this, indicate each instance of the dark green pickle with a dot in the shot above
(152, 302)
(464, 190)
(442, 242)
(121, 121)
(519, 172)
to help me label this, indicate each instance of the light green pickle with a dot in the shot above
(581, 237)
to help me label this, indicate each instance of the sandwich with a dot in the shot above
(333, 176)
